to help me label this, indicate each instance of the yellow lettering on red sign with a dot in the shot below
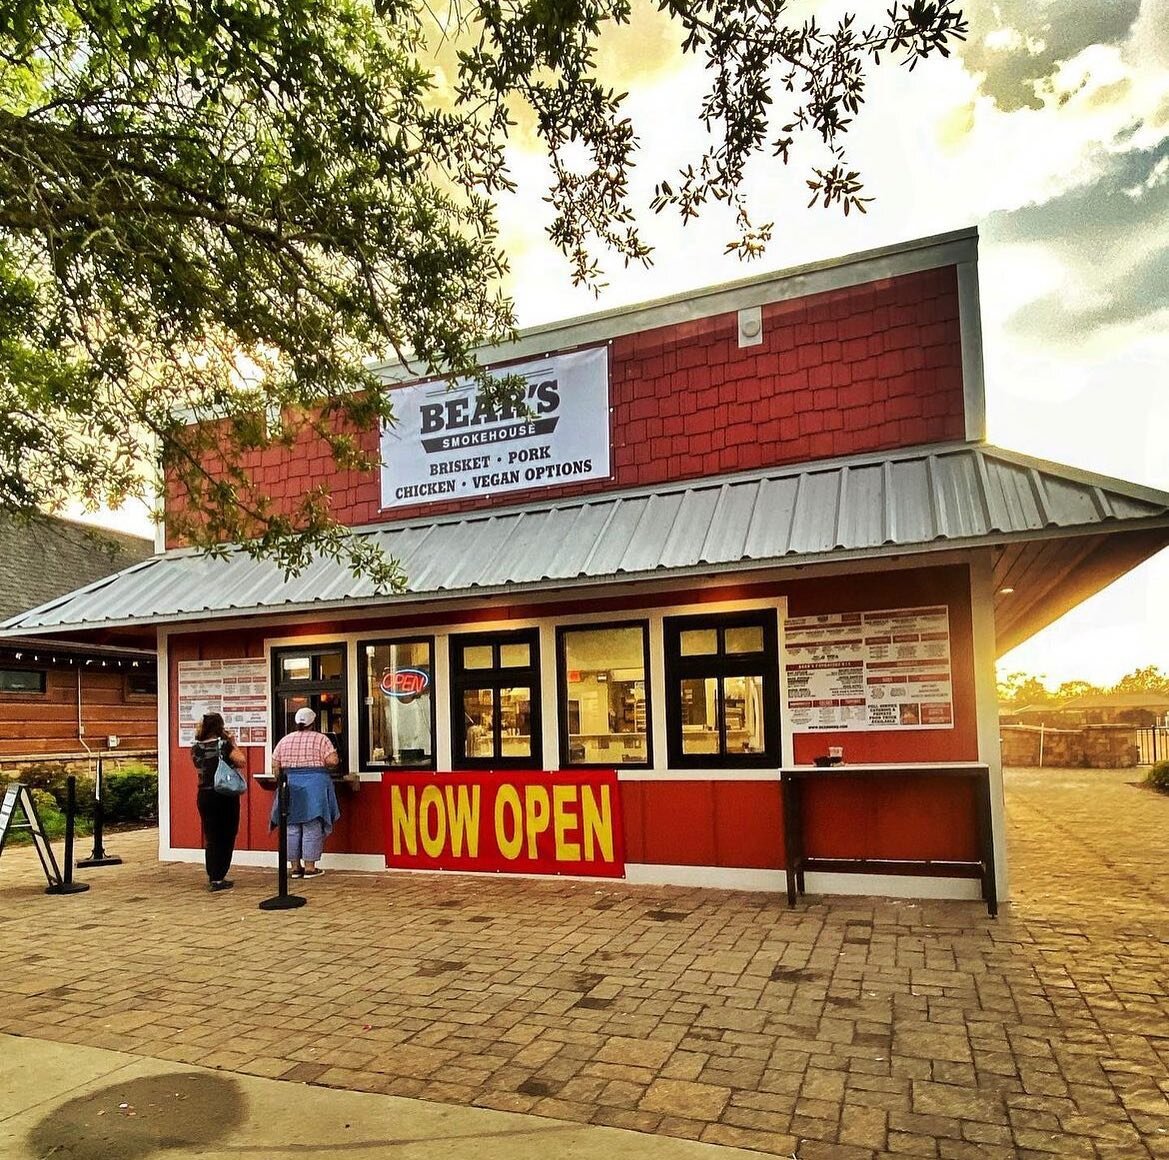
(463, 811)
(403, 820)
(563, 821)
(536, 814)
(597, 822)
(441, 821)
(508, 799)
(433, 834)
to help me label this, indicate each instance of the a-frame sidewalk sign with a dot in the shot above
(19, 797)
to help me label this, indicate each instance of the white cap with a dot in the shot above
(305, 716)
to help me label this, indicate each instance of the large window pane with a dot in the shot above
(515, 721)
(699, 715)
(743, 698)
(399, 703)
(604, 696)
(479, 713)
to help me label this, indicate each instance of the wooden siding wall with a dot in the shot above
(46, 723)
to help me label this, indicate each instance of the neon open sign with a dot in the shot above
(405, 682)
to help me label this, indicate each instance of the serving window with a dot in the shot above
(397, 696)
(312, 677)
(495, 700)
(722, 690)
(603, 672)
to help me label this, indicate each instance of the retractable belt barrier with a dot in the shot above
(282, 900)
(99, 857)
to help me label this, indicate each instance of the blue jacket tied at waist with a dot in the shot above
(310, 796)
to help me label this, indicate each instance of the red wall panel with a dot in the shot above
(910, 818)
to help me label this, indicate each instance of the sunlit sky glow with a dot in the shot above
(1049, 131)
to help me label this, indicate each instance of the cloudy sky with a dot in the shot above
(1049, 131)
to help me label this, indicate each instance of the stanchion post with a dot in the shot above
(99, 857)
(67, 885)
(282, 900)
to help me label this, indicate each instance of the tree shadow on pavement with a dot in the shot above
(137, 1118)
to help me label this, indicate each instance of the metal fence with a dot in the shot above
(1153, 742)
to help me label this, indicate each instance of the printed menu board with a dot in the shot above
(869, 670)
(237, 689)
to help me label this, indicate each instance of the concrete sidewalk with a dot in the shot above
(845, 1029)
(85, 1103)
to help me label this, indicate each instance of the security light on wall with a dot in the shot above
(750, 326)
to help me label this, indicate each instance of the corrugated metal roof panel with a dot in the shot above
(964, 495)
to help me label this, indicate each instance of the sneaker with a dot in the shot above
(225, 884)
(312, 873)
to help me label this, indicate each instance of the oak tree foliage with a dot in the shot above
(213, 213)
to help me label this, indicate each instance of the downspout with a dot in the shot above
(80, 726)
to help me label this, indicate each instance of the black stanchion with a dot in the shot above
(282, 900)
(66, 885)
(99, 857)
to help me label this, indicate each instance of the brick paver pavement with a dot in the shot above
(848, 1029)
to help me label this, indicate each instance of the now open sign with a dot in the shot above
(521, 823)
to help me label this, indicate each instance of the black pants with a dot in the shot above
(220, 814)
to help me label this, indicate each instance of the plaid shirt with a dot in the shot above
(304, 749)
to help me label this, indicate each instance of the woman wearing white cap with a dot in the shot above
(307, 756)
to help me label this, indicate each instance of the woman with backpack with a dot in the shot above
(219, 812)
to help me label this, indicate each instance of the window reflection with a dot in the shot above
(604, 696)
(696, 642)
(399, 703)
(747, 639)
(700, 715)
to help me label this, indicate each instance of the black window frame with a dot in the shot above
(719, 666)
(310, 687)
(42, 674)
(495, 678)
(562, 699)
(364, 692)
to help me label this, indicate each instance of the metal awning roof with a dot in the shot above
(1079, 528)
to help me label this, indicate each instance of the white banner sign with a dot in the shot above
(869, 670)
(236, 689)
(448, 445)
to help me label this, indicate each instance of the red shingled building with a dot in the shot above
(738, 532)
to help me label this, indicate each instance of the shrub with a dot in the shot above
(130, 791)
(52, 818)
(131, 794)
(1158, 776)
(49, 777)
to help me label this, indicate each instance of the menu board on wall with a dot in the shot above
(447, 443)
(869, 670)
(236, 689)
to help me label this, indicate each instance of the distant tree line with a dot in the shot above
(1017, 690)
